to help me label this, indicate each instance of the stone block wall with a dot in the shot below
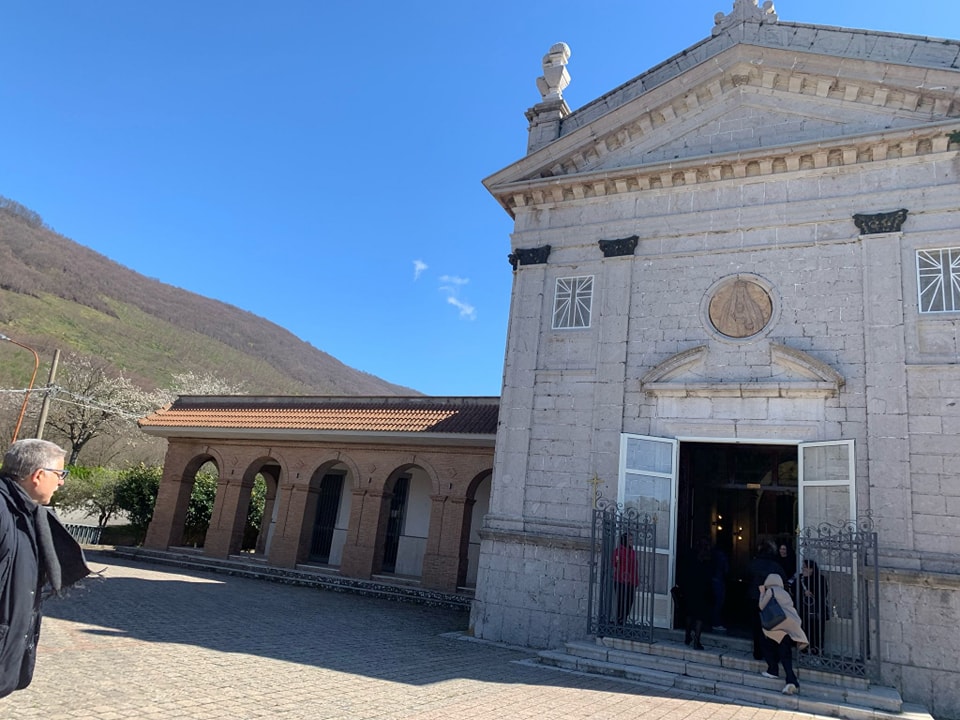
(920, 617)
(535, 589)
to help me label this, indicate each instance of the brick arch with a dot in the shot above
(311, 505)
(405, 537)
(180, 467)
(339, 458)
(477, 480)
(229, 518)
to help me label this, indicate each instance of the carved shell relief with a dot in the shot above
(740, 307)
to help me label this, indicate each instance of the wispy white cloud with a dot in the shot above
(450, 285)
(418, 267)
(453, 280)
(467, 310)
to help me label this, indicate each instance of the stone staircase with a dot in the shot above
(307, 575)
(726, 669)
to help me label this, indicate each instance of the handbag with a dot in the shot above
(772, 614)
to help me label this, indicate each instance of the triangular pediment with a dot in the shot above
(793, 373)
(745, 99)
(745, 118)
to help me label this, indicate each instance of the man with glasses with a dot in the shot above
(36, 551)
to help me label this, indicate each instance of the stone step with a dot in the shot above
(242, 567)
(726, 673)
(737, 656)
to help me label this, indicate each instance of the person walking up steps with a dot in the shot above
(780, 639)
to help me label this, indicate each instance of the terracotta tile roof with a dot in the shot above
(441, 415)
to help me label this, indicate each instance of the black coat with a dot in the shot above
(696, 585)
(22, 577)
(757, 572)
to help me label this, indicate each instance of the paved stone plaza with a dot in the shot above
(148, 642)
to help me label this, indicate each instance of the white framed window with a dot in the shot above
(938, 280)
(573, 302)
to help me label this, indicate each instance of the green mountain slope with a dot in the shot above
(55, 293)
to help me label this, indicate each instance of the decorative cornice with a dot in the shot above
(541, 539)
(529, 256)
(619, 248)
(888, 222)
(736, 166)
(744, 390)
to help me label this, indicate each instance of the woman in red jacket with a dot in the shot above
(625, 576)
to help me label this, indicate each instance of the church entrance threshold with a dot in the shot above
(733, 496)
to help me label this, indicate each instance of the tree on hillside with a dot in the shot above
(191, 383)
(91, 402)
(32, 218)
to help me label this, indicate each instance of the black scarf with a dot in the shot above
(48, 551)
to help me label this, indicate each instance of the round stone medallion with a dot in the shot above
(740, 308)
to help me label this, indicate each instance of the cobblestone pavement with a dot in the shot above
(151, 642)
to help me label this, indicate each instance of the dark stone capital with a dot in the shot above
(529, 256)
(880, 222)
(618, 248)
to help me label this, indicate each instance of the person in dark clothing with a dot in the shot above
(721, 569)
(812, 602)
(36, 551)
(696, 579)
(763, 564)
(787, 559)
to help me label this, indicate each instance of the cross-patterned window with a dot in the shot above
(938, 279)
(572, 303)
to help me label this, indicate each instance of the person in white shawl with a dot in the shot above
(778, 647)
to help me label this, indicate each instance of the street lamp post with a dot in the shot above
(26, 397)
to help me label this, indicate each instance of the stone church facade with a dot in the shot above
(736, 304)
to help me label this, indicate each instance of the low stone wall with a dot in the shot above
(920, 638)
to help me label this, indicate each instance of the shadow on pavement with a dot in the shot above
(382, 639)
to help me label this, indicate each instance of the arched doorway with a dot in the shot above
(330, 515)
(407, 522)
(481, 506)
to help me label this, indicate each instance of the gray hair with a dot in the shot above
(25, 457)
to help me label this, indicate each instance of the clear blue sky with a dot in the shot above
(319, 163)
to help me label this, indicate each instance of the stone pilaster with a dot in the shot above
(886, 389)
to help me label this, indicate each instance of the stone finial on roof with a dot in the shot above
(555, 76)
(744, 10)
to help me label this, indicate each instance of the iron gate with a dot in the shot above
(837, 593)
(622, 574)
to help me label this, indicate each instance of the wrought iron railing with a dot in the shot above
(85, 534)
(837, 591)
(622, 573)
